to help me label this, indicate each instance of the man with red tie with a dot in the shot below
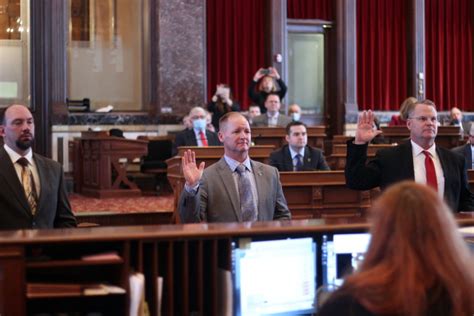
(198, 135)
(418, 159)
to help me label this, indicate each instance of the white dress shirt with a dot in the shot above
(14, 156)
(419, 166)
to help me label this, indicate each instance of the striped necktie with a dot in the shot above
(247, 205)
(28, 183)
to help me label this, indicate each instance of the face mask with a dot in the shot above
(200, 124)
(295, 116)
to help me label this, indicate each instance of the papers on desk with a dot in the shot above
(137, 294)
(467, 231)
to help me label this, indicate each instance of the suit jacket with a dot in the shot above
(313, 159)
(217, 199)
(396, 164)
(53, 208)
(188, 138)
(465, 151)
(262, 120)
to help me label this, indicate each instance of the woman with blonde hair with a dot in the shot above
(401, 119)
(416, 264)
(266, 81)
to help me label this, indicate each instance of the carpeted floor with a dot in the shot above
(82, 204)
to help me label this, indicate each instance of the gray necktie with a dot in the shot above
(247, 205)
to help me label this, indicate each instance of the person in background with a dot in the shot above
(209, 125)
(417, 263)
(297, 155)
(221, 103)
(198, 135)
(401, 119)
(456, 119)
(467, 150)
(187, 122)
(33, 192)
(236, 188)
(265, 81)
(254, 110)
(294, 111)
(418, 159)
(272, 118)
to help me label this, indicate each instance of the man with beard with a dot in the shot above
(418, 159)
(234, 189)
(33, 193)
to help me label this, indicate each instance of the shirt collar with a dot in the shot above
(274, 116)
(417, 150)
(294, 153)
(14, 156)
(198, 131)
(234, 163)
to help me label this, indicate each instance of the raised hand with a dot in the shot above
(274, 73)
(192, 173)
(365, 128)
(258, 75)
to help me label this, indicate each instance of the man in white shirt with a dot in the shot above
(419, 159)
(272, 118)
(467, 150)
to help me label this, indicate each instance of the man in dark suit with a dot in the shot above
(198, 135)
(234, 189)
(272, 118)
(297, 155)
(33, 193)
(466, 150)
(419, 159)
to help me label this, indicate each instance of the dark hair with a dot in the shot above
(294, 123)
(272, 93)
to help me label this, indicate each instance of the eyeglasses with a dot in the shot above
(424, 119)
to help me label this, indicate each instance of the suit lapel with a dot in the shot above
(287, 158)
(191, 137)
(469, 154)
(445, 166)
(8, 173)
(229, 186)
(41, 168)
(406, 160)
(307, 159)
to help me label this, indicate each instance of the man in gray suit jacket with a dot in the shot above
(46, 205)
(213, 194)
(272, 118)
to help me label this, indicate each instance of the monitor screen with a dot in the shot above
(276, 277)
(340, 255)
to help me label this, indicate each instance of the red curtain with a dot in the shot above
(382, 65)
(235, 45)
(449, 58)
(311, 9)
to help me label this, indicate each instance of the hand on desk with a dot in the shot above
(191, 172)
(366, 130)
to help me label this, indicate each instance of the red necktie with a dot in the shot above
(203, 138)
(430, 171)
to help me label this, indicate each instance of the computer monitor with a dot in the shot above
(340, 255)
(275, 277)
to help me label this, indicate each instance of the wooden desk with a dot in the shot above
(448, 136)
(103, 175)
(317, 194)
(209, 155)
(188, 258)
(276, 136)
(337, 160)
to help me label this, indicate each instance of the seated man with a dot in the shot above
(198, 135)
(272, 118)
(466, 150)
(254, 110)
(294, 111)
(234, 189)
(456, 119)
(297, 155)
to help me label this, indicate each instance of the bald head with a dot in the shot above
(18, 128)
